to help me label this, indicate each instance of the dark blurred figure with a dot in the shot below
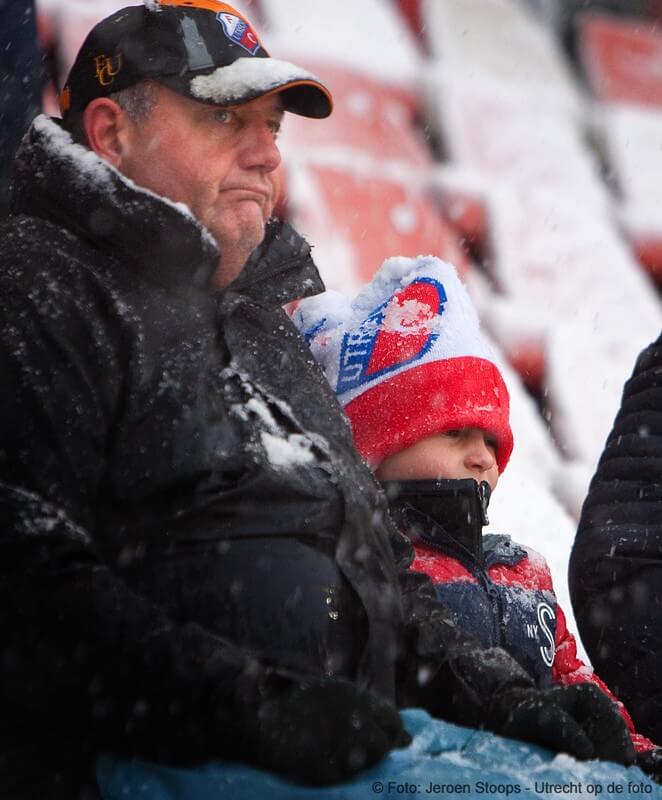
(561, 13)
(648, 11)
(20, 82)
(615, 572)
(629, 8)
(561, 16)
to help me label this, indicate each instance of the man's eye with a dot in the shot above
(223, 116)
(274, 127)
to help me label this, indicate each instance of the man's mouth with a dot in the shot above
(259, 194)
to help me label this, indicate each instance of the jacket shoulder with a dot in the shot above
(529, 571)
(439, 567)
(36, 249)
(53, 302)
(625, 495)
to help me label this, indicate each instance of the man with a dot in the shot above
(195, 563)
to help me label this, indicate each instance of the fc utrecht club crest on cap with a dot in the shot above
(379, 347)
(238, 31)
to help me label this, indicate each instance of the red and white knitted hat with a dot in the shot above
(407, 359)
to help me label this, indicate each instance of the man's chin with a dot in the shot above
(238, 241)
(245, 229)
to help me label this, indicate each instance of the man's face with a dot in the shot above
(218, 161)
(465, 453)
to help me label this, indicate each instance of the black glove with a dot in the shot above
(323, 732)
(650, 762)
(580, 720)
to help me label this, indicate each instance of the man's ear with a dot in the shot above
(106, 127)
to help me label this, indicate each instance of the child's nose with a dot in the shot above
(480, 457)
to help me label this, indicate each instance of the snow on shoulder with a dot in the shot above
(62, 146)
(95, 170)
(287, 451)
(284, 450)
(246, 75)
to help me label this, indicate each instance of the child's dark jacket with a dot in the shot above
(500, 591)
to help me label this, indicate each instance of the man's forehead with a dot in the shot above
(270, 104)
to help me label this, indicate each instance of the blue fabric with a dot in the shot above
(479, 765)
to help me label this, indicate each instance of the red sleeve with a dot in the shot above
(568, 669)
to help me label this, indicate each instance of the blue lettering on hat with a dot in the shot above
(358, 346)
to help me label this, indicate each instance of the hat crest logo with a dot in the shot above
(396, 334)
(107, 68)
(238, 31)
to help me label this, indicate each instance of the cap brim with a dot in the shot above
(249, 78)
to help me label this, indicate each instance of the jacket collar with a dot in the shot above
(449, 515)
(441, 513)
(69, 185)
(281, 268)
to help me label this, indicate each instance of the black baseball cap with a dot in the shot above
(203, 49)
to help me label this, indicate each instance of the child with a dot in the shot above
(429, 412)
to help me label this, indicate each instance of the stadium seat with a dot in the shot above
(357, 219)
(621, 59)
(371, 117)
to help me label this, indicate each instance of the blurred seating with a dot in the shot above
(500, 40)
(357, 218)
(370, 117)
(368, 163)
(504, 104)
(369, 36)
(411, 13)
(621, 58)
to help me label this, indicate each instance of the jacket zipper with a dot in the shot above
(480, 573)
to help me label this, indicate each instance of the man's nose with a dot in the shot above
(259, 149)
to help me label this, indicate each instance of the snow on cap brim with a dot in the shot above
(249, 78)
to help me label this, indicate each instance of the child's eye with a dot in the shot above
(491, 442)
(453, 434)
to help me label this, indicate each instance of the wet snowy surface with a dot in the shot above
(443, 760)
(368, 36)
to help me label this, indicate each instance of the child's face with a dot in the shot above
(466, 453)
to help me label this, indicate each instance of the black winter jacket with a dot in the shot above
(616, 563)
(181, 508)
